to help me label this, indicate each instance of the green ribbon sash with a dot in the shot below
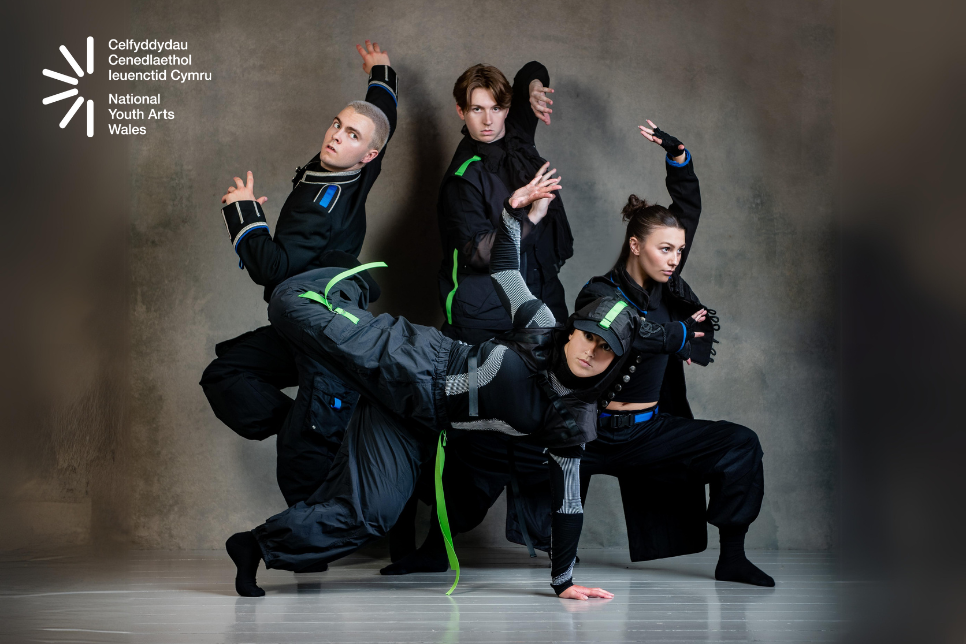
(454, 563)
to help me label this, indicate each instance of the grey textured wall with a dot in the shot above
(747, 85)
(63, 251)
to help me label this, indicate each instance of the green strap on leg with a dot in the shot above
(454, 563)
(324, 298)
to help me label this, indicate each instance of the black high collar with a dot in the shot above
(642, 298)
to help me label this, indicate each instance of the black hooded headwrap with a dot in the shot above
(613, 320)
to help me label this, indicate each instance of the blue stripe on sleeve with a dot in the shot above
(687, 160)
(685, 338)
(394, 100)
(254, 227)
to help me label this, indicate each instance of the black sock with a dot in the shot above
(431, 556)
(243, 549)
(733, 565)
(402, 536)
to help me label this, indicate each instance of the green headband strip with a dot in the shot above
(612, 314)
(324, 298)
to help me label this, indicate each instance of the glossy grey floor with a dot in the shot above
(503, 596)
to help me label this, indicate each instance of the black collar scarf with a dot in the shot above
(641, 298)
(515, 161)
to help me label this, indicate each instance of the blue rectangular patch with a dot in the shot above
(327, 196)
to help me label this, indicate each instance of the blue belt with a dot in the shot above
(618, 421)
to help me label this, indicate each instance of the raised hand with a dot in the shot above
(372, 55)
(542, 187)
(654, 134)
(242, 191)
(539, 101)
(583, 593)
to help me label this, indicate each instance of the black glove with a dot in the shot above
(685, 351)
(668, 142)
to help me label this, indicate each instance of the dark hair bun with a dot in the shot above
(634, 205)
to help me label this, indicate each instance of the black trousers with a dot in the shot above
(724, 455)
(399, 369)
(477, 471)
(243, 386)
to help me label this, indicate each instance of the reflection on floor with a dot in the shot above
(503, 596)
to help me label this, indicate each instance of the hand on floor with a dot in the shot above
(582, 593)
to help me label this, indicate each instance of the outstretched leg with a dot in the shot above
(371, 479)
(387, 360)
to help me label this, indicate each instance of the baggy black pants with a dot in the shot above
(243, 386)
(724, 455)
(399, 369)
(477, 471)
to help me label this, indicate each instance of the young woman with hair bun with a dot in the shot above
(647, 435)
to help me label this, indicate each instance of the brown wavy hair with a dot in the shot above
(489, 78)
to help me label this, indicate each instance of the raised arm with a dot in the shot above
(382, 85)
(682, 185)
(530, 103)
(525, 310)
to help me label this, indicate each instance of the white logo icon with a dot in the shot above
(73, 92)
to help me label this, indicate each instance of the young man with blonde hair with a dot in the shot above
(322, 223)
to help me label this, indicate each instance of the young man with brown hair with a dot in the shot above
(496, 156)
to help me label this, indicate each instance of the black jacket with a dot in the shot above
(478, 180)
(682, 302)
(325, 210)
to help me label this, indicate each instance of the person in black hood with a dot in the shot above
(496, 156)
(324, 213)
(539, 382)
(647, 436)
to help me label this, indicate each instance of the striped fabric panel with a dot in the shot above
(560, 579)
(495, 425)
(459, 383)
(558, 387)
(571, 471)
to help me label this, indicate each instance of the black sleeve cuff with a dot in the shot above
(241, 218)
(385, 77)
(530, 72)
(684, 170)
(520, 214)
(562, 587)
